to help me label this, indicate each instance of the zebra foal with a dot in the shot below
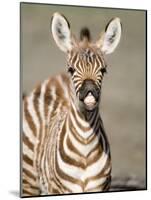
(65, 147)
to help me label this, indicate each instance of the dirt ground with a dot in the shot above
(123, 95)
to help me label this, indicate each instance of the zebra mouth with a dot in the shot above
(90, 101)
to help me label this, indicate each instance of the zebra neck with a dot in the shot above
(84, 124)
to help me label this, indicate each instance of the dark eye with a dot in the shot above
(103, 70)
(71, 70)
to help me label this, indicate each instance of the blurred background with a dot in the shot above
(123, 96)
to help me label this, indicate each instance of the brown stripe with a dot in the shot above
(55, 191)
(66, 80)
(65, 157)
(85, 129)
(47, 98)
(48, 180)
(60, 94)
(75, 134)
(105, 136)
(57, 187)
(107, 184)
(94, 155)
(81, 139)
(98, 146)
(56, 180)
(101, 173)
(100, 187)
(26, 183)
(78, 137)
(101, 61)
(29, 118)
(56, 102)
(29, 174)
(31, 191)
(27, 142)
(74, 58)
(60, 185)
(64, 175)
(53, 161)
(36, 101)
(59, 90)
(52, 169)
(37, 94)
(77, 84)
(27, 193)
(67, 177)
(72, 148)
(27, 160)
(43, 126)
(47, 101)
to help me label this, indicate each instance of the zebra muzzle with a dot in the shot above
(89, 94)
(89, 100)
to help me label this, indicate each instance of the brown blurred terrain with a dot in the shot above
(123, 98)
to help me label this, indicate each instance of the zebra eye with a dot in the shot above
(71, 70)
(103, 70)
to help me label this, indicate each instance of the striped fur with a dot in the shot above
(65, 147)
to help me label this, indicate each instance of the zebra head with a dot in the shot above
(85, 59)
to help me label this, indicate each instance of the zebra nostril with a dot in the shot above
(89, 92)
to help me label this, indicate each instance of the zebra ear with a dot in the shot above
(61, 32)
(111, 37)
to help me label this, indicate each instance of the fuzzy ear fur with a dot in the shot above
(111, 37)
(61, 32)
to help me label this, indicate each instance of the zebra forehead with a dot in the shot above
(88, 55)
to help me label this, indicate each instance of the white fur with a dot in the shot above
(41, 107)
(94, 183)
(27, 151)
(72, 171)
(28, 132)
(79, 119)
(30, 180)
(69, 152)
(96, 167)
(82, 174)
(110, 39)
(29, 168)
(75, 188)
(85, 135)
(32, 112)
(64, 86)
(61, 32)
(82, 148)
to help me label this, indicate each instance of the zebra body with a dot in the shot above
(65, 147)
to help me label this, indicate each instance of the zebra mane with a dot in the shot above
(85, 33)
